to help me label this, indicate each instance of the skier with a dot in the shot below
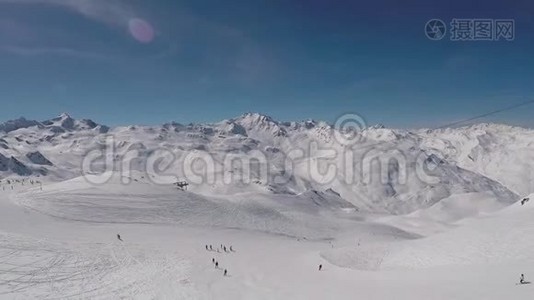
(206, 247)
(119, 237)
(231, 249)
(522, 279)
(216, 265)
(213, 260)
(225, 249)
(225, 272)
(211, 247)
(320, 267)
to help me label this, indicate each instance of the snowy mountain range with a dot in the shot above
(488, 158)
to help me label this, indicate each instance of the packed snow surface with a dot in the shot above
(465, 234)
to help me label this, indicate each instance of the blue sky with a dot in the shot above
(149, 62)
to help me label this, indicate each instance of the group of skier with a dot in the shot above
(11, 183)
(218, 250)
(216, 264)
(231, 249)
(223, 247)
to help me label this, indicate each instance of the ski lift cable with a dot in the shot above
(369, 146)
(487, 114)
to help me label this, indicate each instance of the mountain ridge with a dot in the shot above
(468, 159)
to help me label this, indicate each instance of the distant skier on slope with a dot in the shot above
(213, 260)
(119, 237)
(216, 265)
(522, 279)
(231, 249)
(320, 267)
(225, 272)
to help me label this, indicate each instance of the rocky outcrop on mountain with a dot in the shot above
(38, 159)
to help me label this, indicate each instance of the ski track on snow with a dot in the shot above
(44, 270)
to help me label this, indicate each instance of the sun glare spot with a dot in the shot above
(141, 30)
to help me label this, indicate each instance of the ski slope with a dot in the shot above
(60, 243)
(500, 237)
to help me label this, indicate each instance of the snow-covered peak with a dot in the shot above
(252, 119)
(310, 124)
(64, 122)
(230, 127)
(173, 126)
(261, 125)
(64, 115)
(378, 126)
(16, 124)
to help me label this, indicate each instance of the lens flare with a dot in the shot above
(141, 30)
